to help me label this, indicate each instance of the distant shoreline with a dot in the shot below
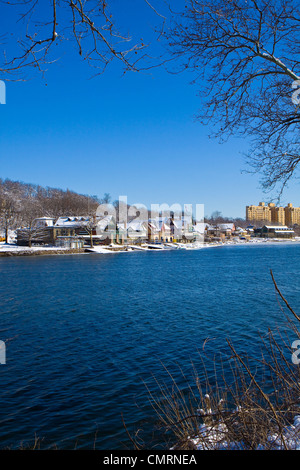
(11, 250)
(20, 251)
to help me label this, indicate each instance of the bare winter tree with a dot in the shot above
(106, 199)
(246, 57)
(30, 231)
(40, 26)
(9, 213)
(245, 54)
(10, 204)
(57, 202)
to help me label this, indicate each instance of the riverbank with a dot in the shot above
(15, 250)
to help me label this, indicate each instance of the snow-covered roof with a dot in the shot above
(152, 225)
(104, 222)
(80, 221)
(45, 218)
(158, 224)
(71, 221)
(277, 227)
(44, 221)
(200, 227)
(229, 226)
(137, 226)
(178, 223)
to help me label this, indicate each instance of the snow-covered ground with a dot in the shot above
(10, 247)
(215, 437)
(101, 250)
(13, 248)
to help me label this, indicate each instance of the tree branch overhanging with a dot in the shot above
(246, 57)
(89, 24)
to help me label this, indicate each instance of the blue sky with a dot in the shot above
(132, 135)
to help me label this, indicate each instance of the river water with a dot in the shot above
(88, 335)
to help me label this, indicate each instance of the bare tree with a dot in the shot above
(58, 203)
(90, 25)
(9, 213)
(246, 57)
(106, 199)
(30, 231)
(10, 197)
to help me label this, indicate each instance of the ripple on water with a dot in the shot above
(87, 333)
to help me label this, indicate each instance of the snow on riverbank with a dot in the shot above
(12, 248)
(100, 250)
(215, 437)
(16, 248)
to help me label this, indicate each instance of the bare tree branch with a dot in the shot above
(89, 24)
(246, 56)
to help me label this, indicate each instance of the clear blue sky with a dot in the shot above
(131, 135)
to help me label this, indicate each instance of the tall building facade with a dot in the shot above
(288, 215)
(277, 214)
(258, 213)
(292, 215)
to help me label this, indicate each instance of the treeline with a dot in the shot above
(21, 203)
(217, 218)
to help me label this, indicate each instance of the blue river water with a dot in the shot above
(85, 333)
